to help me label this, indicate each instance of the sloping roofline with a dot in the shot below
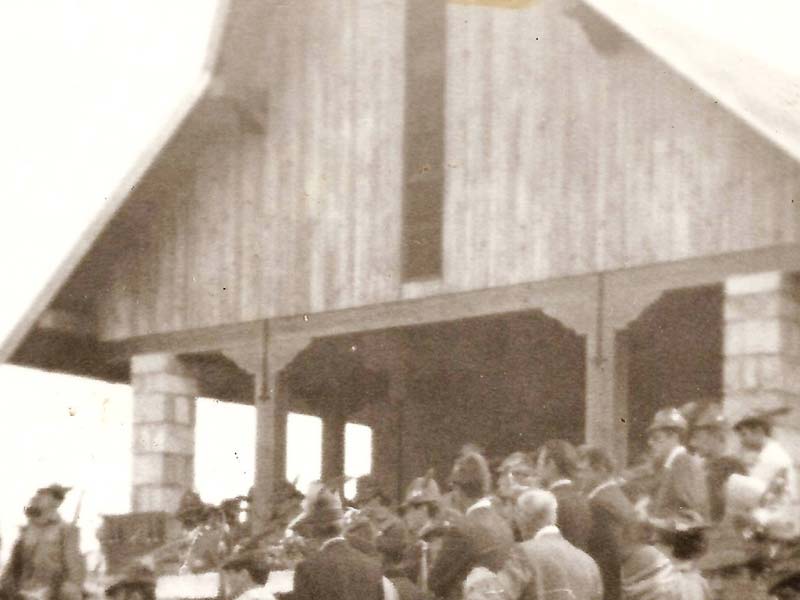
(225, 27)
(121, 193)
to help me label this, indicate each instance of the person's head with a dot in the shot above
(322, 516)
(534, 510)
(516, 474)
(192, 511)
(663, 441)
(597, 466)
(44, 504)
(557, 459)
(471, 480)
(666, 433)
(369, 493)
(753, 433)
(242, 573)
(421, 503)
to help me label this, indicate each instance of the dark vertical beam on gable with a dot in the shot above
(423, 139)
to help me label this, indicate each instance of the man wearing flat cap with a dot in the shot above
(46, 561)
(337, 571)
(481, 537)
(681, 484)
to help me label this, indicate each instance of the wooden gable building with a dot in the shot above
(452, 222)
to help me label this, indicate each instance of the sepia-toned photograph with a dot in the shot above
(400, 300)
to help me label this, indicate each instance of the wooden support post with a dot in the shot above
(333, 426)
(272, 406)
(607, 391)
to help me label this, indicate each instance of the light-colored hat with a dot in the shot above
(322, 506)
(668, 418)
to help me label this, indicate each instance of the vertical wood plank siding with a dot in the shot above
(560, 159)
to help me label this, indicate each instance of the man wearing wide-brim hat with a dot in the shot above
(46, 562)
(709, 439)
(680, 478)
(337, 571)
(765, 457)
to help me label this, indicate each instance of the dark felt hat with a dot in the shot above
(56, 490)
(136, 575)
(367, 488)
(191, 504)
(760, 416)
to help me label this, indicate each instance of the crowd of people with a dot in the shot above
(689, 522)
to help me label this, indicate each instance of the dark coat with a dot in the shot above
(718, 470)
(681, 486)
(338, 572)
(481, 538)
(611, 511)
(574, 515)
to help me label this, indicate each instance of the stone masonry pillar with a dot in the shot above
(762, 349)
(163, 431)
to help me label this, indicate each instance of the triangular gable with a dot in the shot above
(761, 95)
(123, 190)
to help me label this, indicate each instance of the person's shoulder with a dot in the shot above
(257, 593)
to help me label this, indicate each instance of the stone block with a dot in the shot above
(184, 410)
(156, 363)
(163, 437)
(152, 407)
(164, 382)
(148, 469)
(755, 283)
(156, 498)
(761, 306)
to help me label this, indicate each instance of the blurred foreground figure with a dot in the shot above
(244, 575)
(138, 583)
(46, 562)
(543, 566)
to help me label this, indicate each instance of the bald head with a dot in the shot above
(535, 509)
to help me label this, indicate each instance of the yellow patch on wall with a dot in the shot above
(495, 3)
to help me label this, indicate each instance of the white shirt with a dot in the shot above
(256, 593)
(773, 459)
